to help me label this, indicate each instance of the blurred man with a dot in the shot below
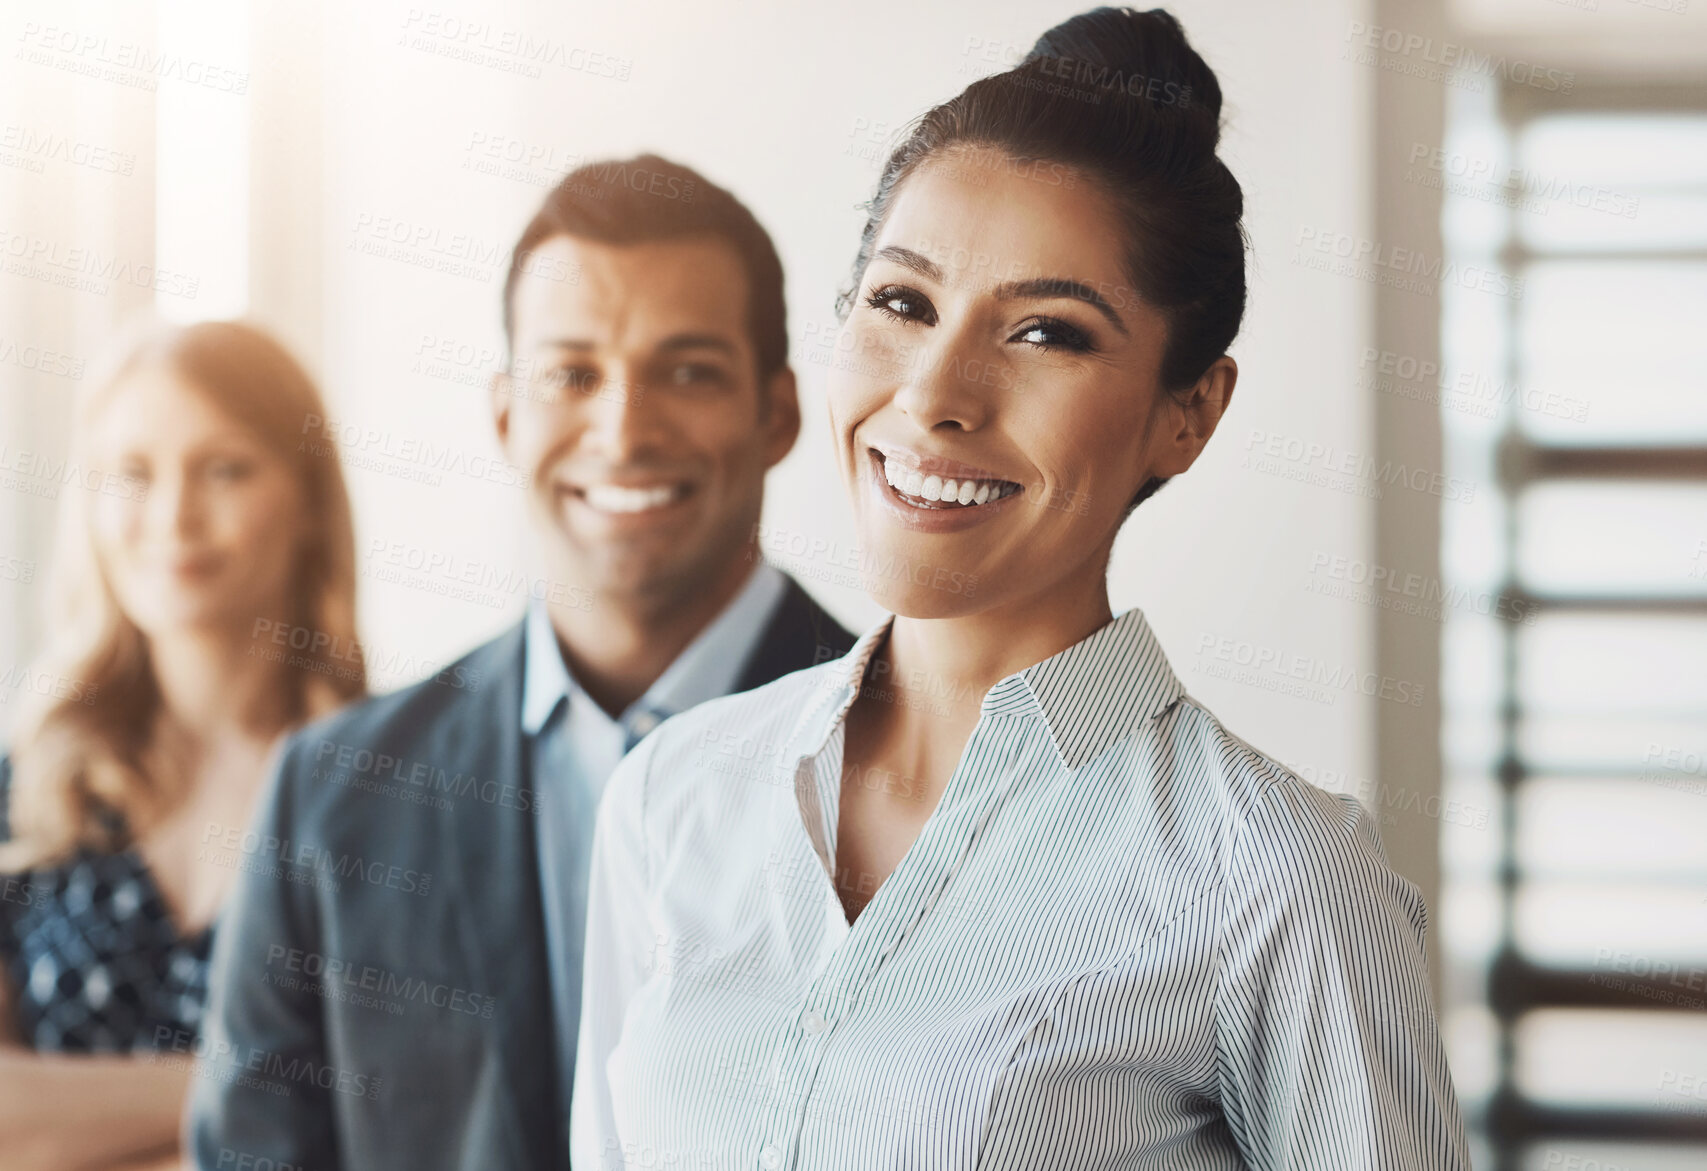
(397, 982)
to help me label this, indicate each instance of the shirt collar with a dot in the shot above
(706, 668)
(545, 678)
(710, 665)
(1096, 692)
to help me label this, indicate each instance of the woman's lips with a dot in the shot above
(924, 488)
(200, 565)
(938, 516)
(895, 454)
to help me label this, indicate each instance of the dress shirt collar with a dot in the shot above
(706, 668)
(1096, 692)
(545, 678)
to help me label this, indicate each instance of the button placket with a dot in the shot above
(854, 954)
(806, 1033)
(825, 1003)
(943, 844)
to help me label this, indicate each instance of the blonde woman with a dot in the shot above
(209, 529)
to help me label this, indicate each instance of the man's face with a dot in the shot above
(634, 401)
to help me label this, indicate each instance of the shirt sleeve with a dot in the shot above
(614, 958)
(1327, 1048)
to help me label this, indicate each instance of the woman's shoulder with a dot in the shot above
(1277, 823)
(1212, 764)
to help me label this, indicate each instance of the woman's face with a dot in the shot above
(210, 537)
(995, 342)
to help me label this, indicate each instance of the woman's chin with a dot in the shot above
(901, 577)
(181, 616)
(954, 596)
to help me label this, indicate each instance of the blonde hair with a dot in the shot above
(77, 775)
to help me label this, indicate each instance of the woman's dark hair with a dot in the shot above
(647, 198)
(1121, 97)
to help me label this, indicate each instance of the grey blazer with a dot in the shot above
(380, 996)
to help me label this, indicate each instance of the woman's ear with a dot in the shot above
(1191, 416)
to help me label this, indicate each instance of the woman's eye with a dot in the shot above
(904, 303)
(229, 470)
(134, 471)
(1053, 335)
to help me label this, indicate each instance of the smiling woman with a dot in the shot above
(1095, 928)
(212, 521)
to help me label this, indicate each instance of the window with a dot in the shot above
(1575, 923)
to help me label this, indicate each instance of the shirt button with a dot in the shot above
(813, 1022)
(770, 1158)
(644, 723)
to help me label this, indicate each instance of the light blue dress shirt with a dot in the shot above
(1123, 938)
(574, 744)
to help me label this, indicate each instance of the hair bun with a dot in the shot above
(1120, 98)
(1142, 55)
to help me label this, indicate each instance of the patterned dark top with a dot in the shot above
(91, 957)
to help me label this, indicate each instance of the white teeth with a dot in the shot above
(617, 498)
(965, 492)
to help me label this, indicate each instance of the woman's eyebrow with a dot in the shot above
(907, 258)
(1057, 286)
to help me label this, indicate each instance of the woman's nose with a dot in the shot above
(946, 384)
(175, 506)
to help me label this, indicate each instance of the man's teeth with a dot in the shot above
(915, 483)
(616, 498)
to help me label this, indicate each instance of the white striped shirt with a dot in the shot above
(1124, 938)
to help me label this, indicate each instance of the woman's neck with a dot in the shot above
(953, 662)
(921, 697)
(217, 686)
